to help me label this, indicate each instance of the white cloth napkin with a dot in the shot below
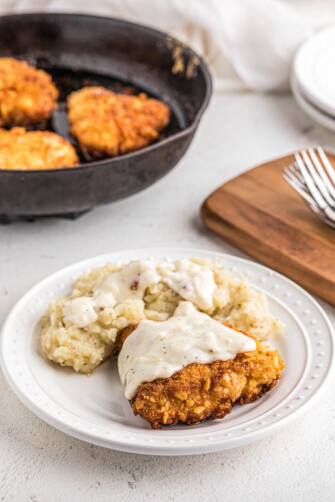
(247, 43)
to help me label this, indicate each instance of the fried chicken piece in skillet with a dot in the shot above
(202, 391)
(32, 150)
(27, 95)
(108, 124)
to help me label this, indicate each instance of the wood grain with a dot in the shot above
(261, 214)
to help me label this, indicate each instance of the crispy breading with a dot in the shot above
(27, 95)
(24, 150)
(108, 124)
(202, 391)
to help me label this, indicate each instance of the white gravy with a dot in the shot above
(80, 311)
(191, 281)
(159, 349)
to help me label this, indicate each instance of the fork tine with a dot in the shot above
(321, 172)
(317, 179)
(295, 171)
(300, 191)
(306, 181)
(326, 163)
(330, 213)
(310, 183)
(327, 215)
(323, 217)
(296, 179)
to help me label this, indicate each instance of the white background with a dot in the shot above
(38, 463)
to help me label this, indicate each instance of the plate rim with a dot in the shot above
(314, 113)
(316, 99)
(164, 449)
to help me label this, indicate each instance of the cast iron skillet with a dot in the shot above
(83, 50)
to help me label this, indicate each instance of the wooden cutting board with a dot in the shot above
(261, 214)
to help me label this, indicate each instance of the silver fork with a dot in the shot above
(313, 177)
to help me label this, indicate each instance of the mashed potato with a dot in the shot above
(84, 345)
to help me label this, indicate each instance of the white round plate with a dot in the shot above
(314, 113)
(314, 70)
(94, 408)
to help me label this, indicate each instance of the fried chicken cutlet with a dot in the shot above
(108, 124)
(202, 391)
(27, 95)
(24, 150)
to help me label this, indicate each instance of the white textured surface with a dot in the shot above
(39, 463)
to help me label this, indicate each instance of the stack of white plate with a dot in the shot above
(313, 77)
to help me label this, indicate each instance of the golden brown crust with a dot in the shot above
(27, 95)
(201, 391)
(32, 150)
(108, 124)
(123, 334)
